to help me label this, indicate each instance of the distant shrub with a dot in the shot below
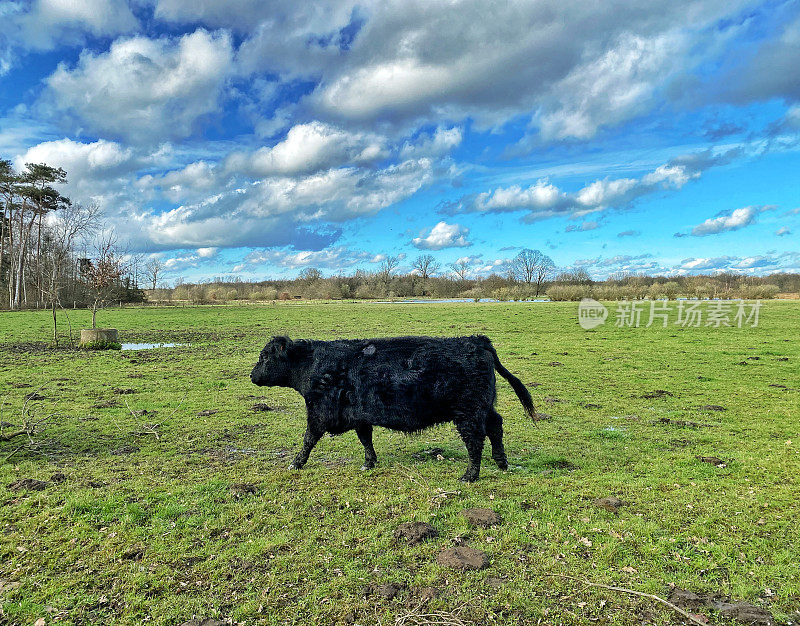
(569, 292)
(759, 292)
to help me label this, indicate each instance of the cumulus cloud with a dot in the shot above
(739, 218)
(282, 211)
(80, 160)
(543, 199)
(443, 235)
(771, 262)
(333, 258)
(309, 148)
(145, 90)
(441, 142)
(53, 22)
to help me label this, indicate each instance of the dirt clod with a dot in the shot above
(106, 404)
(713, 460)
(463, 558)
(58, 477)
(712, 407)
(27, 484)
(242, 489)
(658, 393)
(610, 503)
(123, 391)
(387, 591)
(782, 358)
(261, 407)
(682, 423)
(415, 532)
(208, 621)
(555, 364)
(427, 593)
(207, 412)
(34, 396)
(482, 517)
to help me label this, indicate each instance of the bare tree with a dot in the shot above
(153, 270)
(310, 275)
(387, 268)
(461, 268)
(533, 266)
(426, 265)
(103, 273)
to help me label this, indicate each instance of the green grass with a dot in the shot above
(155, 529)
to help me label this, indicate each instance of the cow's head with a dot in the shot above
(274, 367)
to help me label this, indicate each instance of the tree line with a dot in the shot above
(53, 252)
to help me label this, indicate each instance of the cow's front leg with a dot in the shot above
(364, 433)
(310, 439)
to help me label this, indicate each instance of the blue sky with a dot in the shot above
(257, 138)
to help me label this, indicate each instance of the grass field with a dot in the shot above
(204, 519)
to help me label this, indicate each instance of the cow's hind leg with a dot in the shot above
(310, 439)
(494, 430)
(365, 437)
(473, 434)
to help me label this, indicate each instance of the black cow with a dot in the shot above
(402, 383)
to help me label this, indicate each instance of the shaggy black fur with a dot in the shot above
(402, 383)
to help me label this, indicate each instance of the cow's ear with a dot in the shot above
(283, 344)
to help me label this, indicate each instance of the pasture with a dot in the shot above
(165, 492)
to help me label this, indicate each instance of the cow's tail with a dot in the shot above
(516, 384)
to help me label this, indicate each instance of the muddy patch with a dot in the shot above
(481, 517)
(430, 454)
(415, 532)
(120, 391)
(658, 393)
(463, 558)
(387, 591)
(240, 490)
(610, 503)
(712, 460)
(207, 412)
(711, 407)
(727, 608)
(666, 421)
(27, 484)
(106, 404)
(261, 407)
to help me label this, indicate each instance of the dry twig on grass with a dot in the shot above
(642, 594)
(152, 429)
(30, 425)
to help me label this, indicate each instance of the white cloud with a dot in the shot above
(739, 218)
(55, 22)
(80, 160)
(441, 142)
(543, 199)
(783, 231)
(144, 89)
(443, 235)
(309, 148)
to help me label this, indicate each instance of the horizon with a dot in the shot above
(262, 140)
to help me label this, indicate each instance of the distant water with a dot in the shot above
(149, 346)
(446, 300)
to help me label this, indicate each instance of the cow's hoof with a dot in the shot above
(468, 478)
(295, 466)
(502, 465)
(366, 467)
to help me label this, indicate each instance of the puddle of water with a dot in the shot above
(149, 346)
